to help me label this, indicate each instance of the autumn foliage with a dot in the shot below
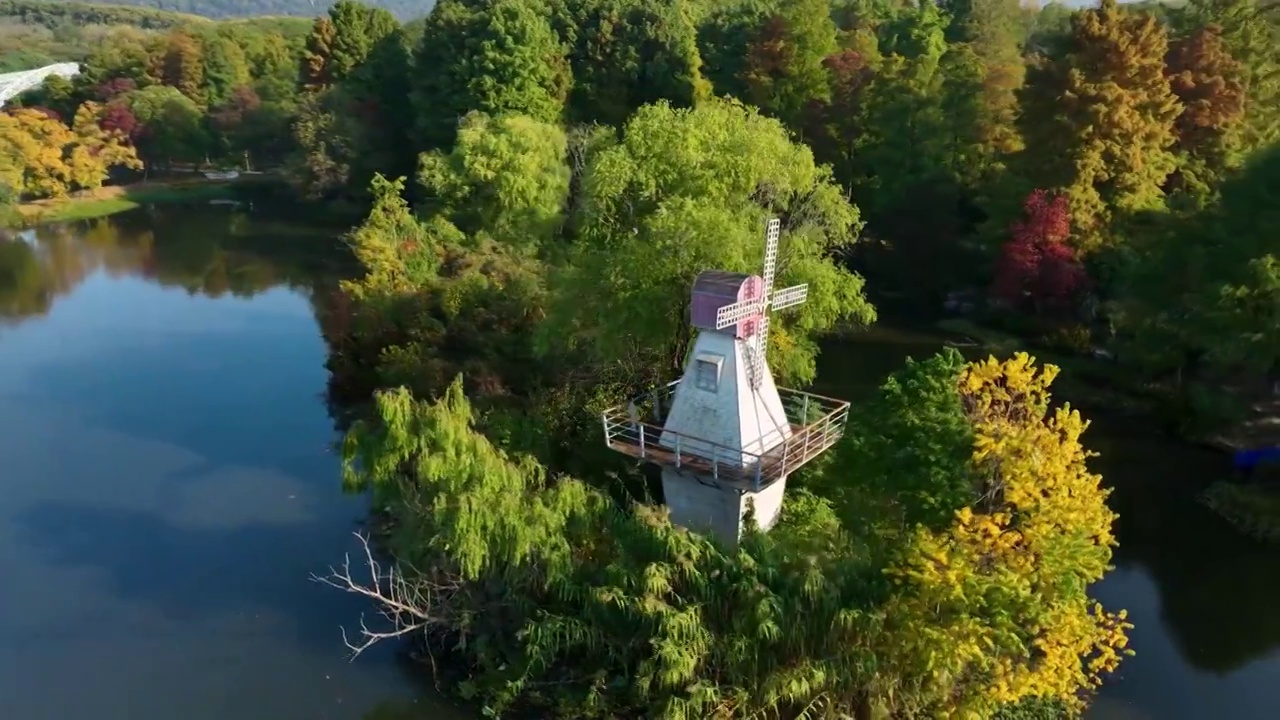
(1037, 267)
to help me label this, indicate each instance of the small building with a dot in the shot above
(725, 436)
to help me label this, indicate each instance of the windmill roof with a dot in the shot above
(720, 283)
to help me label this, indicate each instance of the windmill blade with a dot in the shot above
(736, 313)
(762, 335)
(773, 229)
(787, 297)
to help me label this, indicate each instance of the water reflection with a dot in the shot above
(167, 483)
(1205, 600)
(210, 250)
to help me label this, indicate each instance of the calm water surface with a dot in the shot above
(1205, 601)
(167, 482)
(168, 488)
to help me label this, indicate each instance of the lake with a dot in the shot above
(169, 489)
(168, 482)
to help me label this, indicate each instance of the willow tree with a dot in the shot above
(687, 190)
(507, 177)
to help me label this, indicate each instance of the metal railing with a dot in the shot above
(636, 429)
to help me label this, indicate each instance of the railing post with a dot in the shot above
(642, 441)
(715, 464)
(759, 465)
(604, 421)
(677, 450)
(804, 412)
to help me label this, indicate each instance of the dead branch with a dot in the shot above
(408, 600)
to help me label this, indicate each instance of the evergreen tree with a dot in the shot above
(1208, 83)
(1099, 119)
(491, 56)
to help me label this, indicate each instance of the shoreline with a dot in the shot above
(1253, 509)
(113, 199)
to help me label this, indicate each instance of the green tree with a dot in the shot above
(1195, 296)
(173, 126)
(628, 615)
(225, 68)
(492, 56)
(686, 190)
(784, 73)
(628, 53)
(507, 177)
(994, 31)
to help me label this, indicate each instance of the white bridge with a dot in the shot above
(15, 83)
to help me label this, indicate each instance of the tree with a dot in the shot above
(1194, 298)
(181, 65)
(994, 30)
(1099, 119)
(686, 190)
(317, 67)
(507, 177)
(340, 42)
(1003, 587)
(225, 68)
(628, 53)
(784, 70)
(1209, 85)
(492, 56)
(96, 149)
(1037, 266)
(173, 126)
(1250, 39)
(42, 157)
(118, 118)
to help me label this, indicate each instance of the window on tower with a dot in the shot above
(706, 371)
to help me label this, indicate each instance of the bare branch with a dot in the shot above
(408, 600)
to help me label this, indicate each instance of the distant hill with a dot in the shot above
(403, 9)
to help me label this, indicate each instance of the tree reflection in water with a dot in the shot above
(210, 250)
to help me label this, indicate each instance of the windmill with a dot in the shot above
(754, 312)
(726, 441)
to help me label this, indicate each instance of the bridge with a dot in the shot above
(15, 83)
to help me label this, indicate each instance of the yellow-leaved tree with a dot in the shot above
(997, 596)
(42, 157)
(94, 151)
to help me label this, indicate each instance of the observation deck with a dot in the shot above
(636, 429)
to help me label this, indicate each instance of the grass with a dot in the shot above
(1253, 509)
(119, 198)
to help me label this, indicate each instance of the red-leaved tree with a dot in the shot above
(1036, 267)
(115, 87)
(117, 117)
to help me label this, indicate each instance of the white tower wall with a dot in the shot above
(714, 402)
(718, 511)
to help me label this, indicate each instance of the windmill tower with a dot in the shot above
(724, 434)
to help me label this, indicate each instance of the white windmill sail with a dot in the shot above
(758, 308)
